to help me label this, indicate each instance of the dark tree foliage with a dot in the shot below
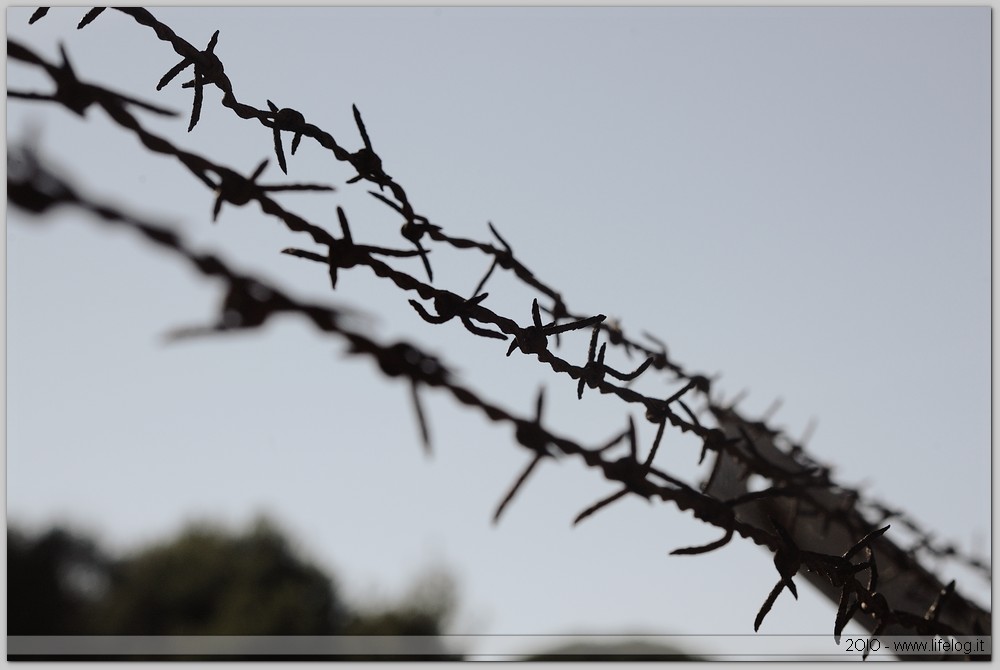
(52, 580)
(634, 651)
(204, 581)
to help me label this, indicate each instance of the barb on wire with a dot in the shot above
(660, 359)
(558, 312)
(595, 369)
(535, 460)
(90, 16)
(504, 258)
(32, 187)
(633, 450)
(365, 160)
(290, 120)
(704, 549)
(632, 455)
(787, 560)
(872, 570)
(634, 474)
(691, 415)
(208, 69)
(344, 253)
(72, 93)
(600, 504)
(531, 435)
(413, 232)
(404, 360)
(449, 305)
(247, 304)
(934, 611)
(238, 190)
(616, 336)
(846, 608)
(404, 210)
(659, 412)
(656, 445)
(532, 339)
(865, 541)
(413, 229)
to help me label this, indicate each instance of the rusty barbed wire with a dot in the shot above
(795, 477)
(250, 302)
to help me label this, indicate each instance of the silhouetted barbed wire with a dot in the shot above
(800, 488)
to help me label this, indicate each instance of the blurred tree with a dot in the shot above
(425, 610)
(630, 651)
(205, 581)
(53, 583)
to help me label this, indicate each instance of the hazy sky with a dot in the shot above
(797, 200)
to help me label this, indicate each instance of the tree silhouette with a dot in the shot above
(204, 581)
(54, 582)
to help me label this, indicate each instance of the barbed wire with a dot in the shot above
(800, 487)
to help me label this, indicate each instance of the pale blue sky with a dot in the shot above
(798, 199)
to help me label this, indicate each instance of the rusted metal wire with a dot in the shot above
(735, 441)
